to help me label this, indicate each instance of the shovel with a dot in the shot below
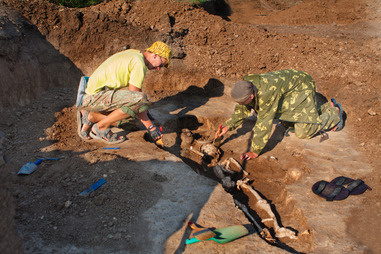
(223, 235)
(30, 167)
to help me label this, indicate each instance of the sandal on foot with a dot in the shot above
(355, 187)
(81, 120)
(106, 135)
(330, 191)
(342, 115)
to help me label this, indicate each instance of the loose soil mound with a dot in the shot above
(46, 48)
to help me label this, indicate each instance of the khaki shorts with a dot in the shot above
(106, 101)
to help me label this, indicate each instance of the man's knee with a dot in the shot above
(301, 133)
(138, 104)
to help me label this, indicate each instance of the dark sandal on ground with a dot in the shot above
(355, 187)
(81, 120)
(106, 135)
(330, 191)
(342, 115)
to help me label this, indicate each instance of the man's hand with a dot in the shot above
(221, 131)
(249, 155)
(155, 132)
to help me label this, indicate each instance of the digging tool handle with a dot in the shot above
(93, 187)
(247, 213)
(195, 227)
(51, 159)
(38, 162)
(97, 184)
(192, 240)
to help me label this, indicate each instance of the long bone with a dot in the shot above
(265, 206)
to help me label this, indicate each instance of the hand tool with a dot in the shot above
(224, 235)
(30, 167)
(93, 187)
(217, 140)
(159, 141)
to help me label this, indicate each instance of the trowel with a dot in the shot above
(223, 235)
(160, 142)
(217, 140)
(30, 167)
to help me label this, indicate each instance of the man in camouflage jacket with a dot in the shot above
(287, 95)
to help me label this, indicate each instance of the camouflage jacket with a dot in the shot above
(288, 95)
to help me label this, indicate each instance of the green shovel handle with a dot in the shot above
(192, 240)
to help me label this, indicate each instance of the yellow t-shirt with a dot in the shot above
(119, 70)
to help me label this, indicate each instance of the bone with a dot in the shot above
(238, 168)
(196, 152)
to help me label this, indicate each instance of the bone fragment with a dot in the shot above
(196, 152)
(210, 150)
(265, 206)
(226, 163)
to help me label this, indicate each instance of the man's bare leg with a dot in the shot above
(92, 117)
(117, 115)
(105, 121)
(108, 120)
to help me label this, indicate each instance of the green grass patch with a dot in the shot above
(76, 3)
(199, 2)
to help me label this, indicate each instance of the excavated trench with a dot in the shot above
(271, 178)
(191, 139)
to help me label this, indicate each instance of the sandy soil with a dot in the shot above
(151, 192)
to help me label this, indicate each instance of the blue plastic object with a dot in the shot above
(81, 90)
(30, 167)
(93, 187)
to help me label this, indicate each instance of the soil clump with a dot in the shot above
(46, 48)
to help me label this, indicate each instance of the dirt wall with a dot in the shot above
(29, 63)
(44, 46)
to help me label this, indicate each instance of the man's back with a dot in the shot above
(119, 70)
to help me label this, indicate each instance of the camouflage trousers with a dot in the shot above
(106, 101)
(329, 117)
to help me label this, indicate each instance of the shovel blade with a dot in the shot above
(204, 234)
(160, 142)
(28, 168)
(224, 235)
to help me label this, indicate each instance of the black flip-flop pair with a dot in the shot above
(339, 188)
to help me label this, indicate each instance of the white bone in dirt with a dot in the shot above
(210, 150)
(262, 204)
(196, 152)
(231, 160)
